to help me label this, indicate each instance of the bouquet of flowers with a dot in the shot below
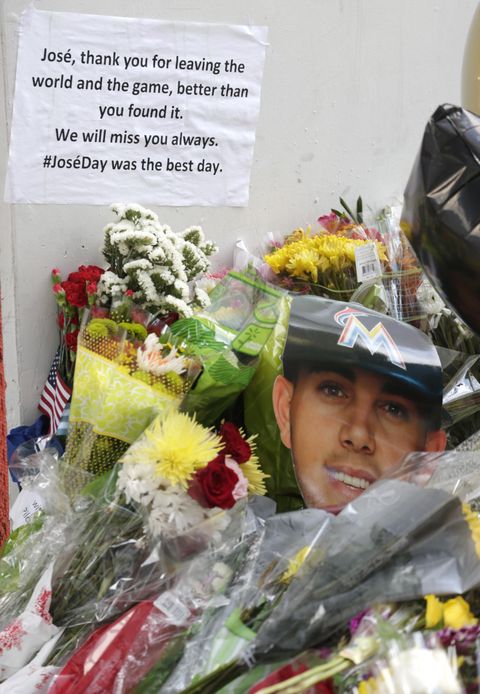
(73, 296)
(128, 537)
(183, 473)
(323, 262)
(160, 267)
(124, 378)
(177, 483)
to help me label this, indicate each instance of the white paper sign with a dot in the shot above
(24, 507)
(112, 108)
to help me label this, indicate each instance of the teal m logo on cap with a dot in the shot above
(378, 339)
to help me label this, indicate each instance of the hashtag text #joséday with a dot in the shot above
(79, 162)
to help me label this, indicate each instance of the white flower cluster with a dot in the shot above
(171, 511)
(159, 266)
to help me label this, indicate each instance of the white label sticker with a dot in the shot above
(367, 262)
(172, 608)
(26, 505)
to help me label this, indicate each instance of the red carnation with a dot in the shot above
(86, 273)
(61, 321)
(75, 293)
(235, 444)
(71, 340)
(91, 287)
(213, 485)
(57, 288)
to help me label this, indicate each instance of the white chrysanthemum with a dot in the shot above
(151, 358)
(118, 208)
(178, 305)
(148, 287)
(135, 480)
(174, 512)
(183, 288)
(202, 297)
(161, 266)
(124, 226)
(139, 264)
(156, 254)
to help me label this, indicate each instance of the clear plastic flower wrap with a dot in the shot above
(124, 377)
(273, 559)
(47, 506)
(397, 541)
(151, 629)
(174, 494)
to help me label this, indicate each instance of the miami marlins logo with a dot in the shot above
(378, 339)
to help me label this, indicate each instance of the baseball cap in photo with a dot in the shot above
(324, 333)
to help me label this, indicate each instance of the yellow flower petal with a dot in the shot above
(457, 613)
(177, 445)
(368, 686)
(433, 611)
(295, 564)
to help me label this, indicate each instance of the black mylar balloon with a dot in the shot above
(441, 213)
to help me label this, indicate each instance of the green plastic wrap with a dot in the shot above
(230, 337)
(259, 417)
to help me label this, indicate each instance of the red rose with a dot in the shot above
(91, 288)
(71, 340)
(213, 485)
(235, 444)
(57, 288)
(75, 293)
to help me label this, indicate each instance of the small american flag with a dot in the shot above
(55, 396)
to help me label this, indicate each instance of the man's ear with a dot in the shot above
(436, 441)
(282, 395)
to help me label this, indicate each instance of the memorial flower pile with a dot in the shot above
(169, 570)
(158, 266)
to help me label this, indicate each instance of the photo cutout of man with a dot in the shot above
(360, 390)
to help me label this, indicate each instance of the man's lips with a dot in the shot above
(350, 481)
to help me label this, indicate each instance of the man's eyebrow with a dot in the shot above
(344, 371)
(391, 387)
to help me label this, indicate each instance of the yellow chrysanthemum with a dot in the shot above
(295, 564)
(305, 256)
(304, 265)
(255, 476)
(177, 445)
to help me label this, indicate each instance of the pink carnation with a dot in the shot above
(240, 490)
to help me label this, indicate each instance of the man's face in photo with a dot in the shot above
(345, 429)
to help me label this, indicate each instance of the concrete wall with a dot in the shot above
(348, 87)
